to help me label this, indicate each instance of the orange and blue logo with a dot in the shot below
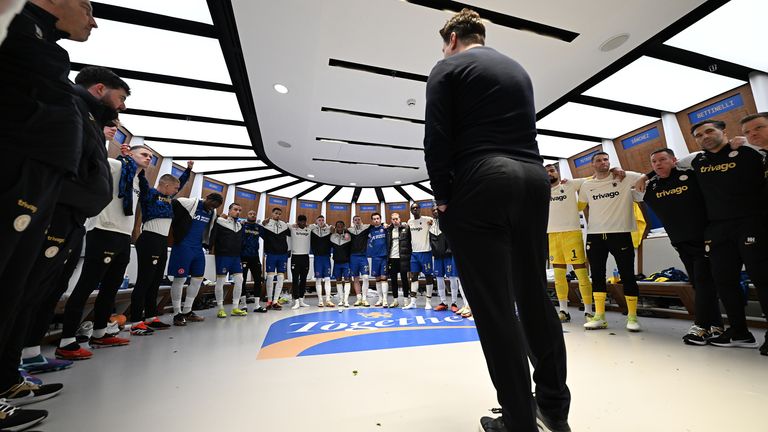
(322, 333)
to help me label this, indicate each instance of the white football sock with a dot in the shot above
(279, 286)
(270, 281)
(238, 290)
(218, 290)
(177, 286)
(454, 289)
(441, 289)
(192, 290)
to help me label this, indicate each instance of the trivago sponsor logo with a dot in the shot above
(363, 330)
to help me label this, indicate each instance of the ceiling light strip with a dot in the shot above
(309, 190)
(200, 143)
(235, 170)
(369, 144)
(501, 19)
(260, 179)
(287, 185)
(332, 193)
(364, 163)
(187, 117)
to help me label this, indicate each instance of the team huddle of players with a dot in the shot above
(712, 204)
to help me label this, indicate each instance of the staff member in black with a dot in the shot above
(733, 183)
(674, 195)
(399, 244)
(251, 260)
(480, 144)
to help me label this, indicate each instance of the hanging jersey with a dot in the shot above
(420, 234)
(610, 204)
(300, 240)
(200, 221)
(320, 240)
(377, 242)
(564, 207)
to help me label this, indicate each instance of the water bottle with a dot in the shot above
(615, 275)
(126, 281)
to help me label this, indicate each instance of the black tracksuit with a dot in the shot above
(674, 199)
(480, 144)
(733, 183)
(250, 257)
(399, 266)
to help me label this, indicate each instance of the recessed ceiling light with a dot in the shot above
(353, 184)
(311, 175)
(398, 181)
(284, 144)
(614, 42)
(280, 88)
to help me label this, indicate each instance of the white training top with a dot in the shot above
(435, 228)
(300, 240)
(610, 204)
(564, 207)
(326, 230)
(420, 234)
(394, 252)
(113, 218)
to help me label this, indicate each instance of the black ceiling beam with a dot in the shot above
(162, 79)
(149, 19)
(356, 194)
(221, 158)
(569, 135)
(699, 61)
(289, 184)
(688, 19)
(501, 19)
(364, 163)
(370, 115)
(424, 188)
(617, 106)
(379, 194)
(368, 144)
(235, 170)
(200, 143)
(309, 189)
(394, 73)
(332, 193)
(186, 117)
(256, 180)
(403, 193)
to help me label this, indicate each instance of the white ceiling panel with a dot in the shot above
(186, 130)
(416, 193)
(740, 43)
(368, 196)
(128, 46)
(594, 121)
(177, 149)
(216, 165)
(318, 194)
(230, 178)
(392, 195)
(268, 184)
(662, 85)
(292, 191)
(193, 10)
(343, 195)
(562, 147)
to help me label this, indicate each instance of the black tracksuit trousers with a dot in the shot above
(510, 271)
(700, 274)
(399, 267)
(299, 271)
(152, 255)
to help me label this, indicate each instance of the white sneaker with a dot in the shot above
(632, 324)
(411, 304)
(296, 306)
(301, 302)
(596, 323)
(378, 304)
(428, 305)
(394, 304)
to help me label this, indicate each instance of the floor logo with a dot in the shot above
(329, 332)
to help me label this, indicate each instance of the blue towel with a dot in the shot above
(125, 186)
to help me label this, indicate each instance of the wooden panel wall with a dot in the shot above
(310, 209)
(177, 170)
(729, 107)
(426, 208)
(634, 149)
(401, 208)
(338, 212)
(248, 200)
(581, 164)
(366, 210)
(274, 201)
(212, 186)
(113, 146)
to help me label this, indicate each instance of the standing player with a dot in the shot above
(378, 253)
(399, 245)
(421, 256)
(275, 234)
(674, 194)
(107, 253)
(566, 244)
(300, 244)
(193, 220)
(250, 257)
(444, 266)
(320, 243)
(152, 249)
(609, 230)
(342, 249)
(227, 245)
(358, 264)
(755, 129)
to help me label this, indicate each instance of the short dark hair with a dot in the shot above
(467, 25)
(234, 204)
(599, 154)
(751, 117)
(321, 216)
(92, 75)
(141, 146)
(302, 218)
(339, 222)
(718, 124)
(215, 197)
(415, 204)
(664, 150)
(376, 214)
(551, 165)
(168, 178)
(274, 209)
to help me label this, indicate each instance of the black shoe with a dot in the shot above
(193, 317)
(547, 424)
(14, 419)
(764, 347)
(158, 325)
(730, 340)
(260, 309)
(490, 424)
(179, 320)
(27, 392)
